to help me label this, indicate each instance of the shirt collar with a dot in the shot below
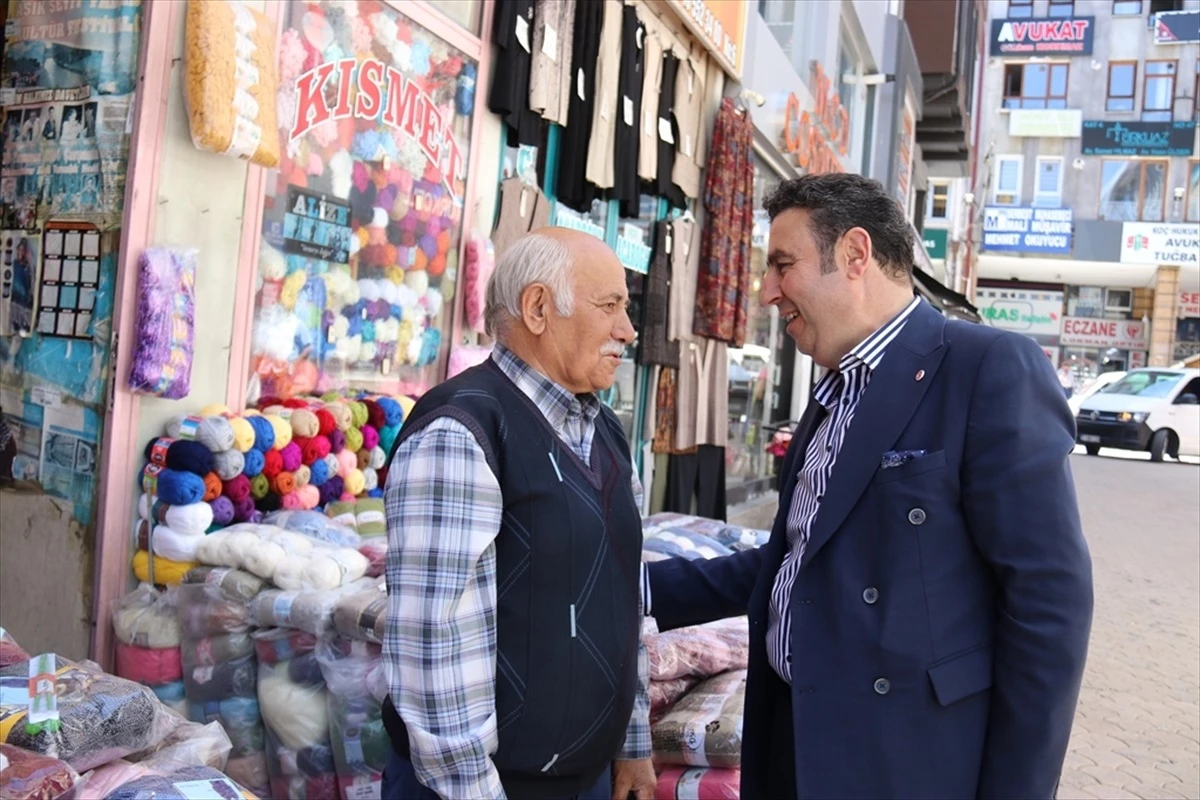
(557, 403)
(867, 353)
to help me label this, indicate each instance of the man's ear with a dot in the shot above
(535, 308)
(856, 248)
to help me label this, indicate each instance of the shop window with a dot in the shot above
(1193, 191)
(1061, 8)
(1159, 6)
(1085, 301)
(362, 220)
(1035, 85)
(1122, 83)
(1132, 190)
(1048, 182)
(1020, 9)
(1118, 300)
(1129, 8)
(1008, 180)
(939, 201)
(466, 13)
(1158, 92)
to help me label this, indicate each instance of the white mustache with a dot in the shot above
(613, 348)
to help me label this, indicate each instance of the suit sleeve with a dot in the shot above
(1020, 505)
(684, 592)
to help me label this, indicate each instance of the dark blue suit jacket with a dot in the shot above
(981, 600)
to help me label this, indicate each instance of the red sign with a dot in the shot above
(1122, 334)
(818, 138)
(383, 94)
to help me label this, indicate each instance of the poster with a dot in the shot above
(67, 91)
(69, 457)
(19, 281)
(316, 225)
(70, 279)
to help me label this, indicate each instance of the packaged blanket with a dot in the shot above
(705, 727)
(665, 694)
(186, 784)
(701, 651)
(686, 543)
(732, 536)
(147, 617)
(29, 776)
(695, 783)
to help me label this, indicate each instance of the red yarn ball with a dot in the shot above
(326, 422)
(272, 463)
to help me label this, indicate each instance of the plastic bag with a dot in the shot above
(29, 776)
(363, 615)
(10, 651)
(290, 560)
(147, 617)
(91, 718)
(690, 544)
(192, 744)
(354, 675)
(705, 727)
(701, 651)
(699, 783)
(315, 525)
(185, 784)
(307, 610)
(166, 318)
(231, 81)
(665, 694)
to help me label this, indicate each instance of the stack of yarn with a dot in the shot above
(146, 626)
(290, 560)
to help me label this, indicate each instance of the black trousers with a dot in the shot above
(781, 761)
(701, 476)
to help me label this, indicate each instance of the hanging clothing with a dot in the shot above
(723, 289)
(523, 208)
(685, 265)
(668, 134)
(512, 33)
(665, 397)
(626, 186)
(551, 79)
(651, 81)
(572, 188)
(702, 394)
(696, 483)
(654, 344)
(691, 145)
(600, 171)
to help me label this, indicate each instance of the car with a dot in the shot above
(1152, 409)
(1091, 387)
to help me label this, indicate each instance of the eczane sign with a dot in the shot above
(1160, 243)
(1122, 334)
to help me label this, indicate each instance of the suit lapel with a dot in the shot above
(883, 412)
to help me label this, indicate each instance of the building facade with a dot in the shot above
(1090, 207)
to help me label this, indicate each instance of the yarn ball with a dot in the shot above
(243, 434)
(375, 493)
(370, 479)
(213, 410)
(354, 439)
(358, 413)
(222, 509)
(406, 405)
(283, 483)
(347, 461)
(355, 483)
(289, 572)
(376, 417)
(212, 487)
(325, 422)
(331, 464)
(156, 450)
(215, 433)
(298, 715)
(292, 502)
(244, 510)
(305, 423)
(303, 476)
(259, 486)
(189, 520)
(320, 472)
(310, 497)
(341, 414)
(378, 458)
(264, 433)
(237, 489)
(262, 558)
(393, 413)
(271, 502)
(182, 455)
(364, 458)
(272, 463)
(323, 573)
(337, 441)
(292, 456)
(281, 428)
(252, 463)
(228, 464)
(331, 490)
(387, 437)
(313, 449)
(166, 572)
(177, 488)
(370, 437)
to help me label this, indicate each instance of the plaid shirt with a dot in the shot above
(444, 506)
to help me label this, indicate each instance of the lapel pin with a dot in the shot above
(920, 374)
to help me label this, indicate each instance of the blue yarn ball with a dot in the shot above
(254, 463)
(319, 472)
(264, 434)
(176, 488)
(375, 493)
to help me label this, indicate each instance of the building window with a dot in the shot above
(939, 201)
(1133, 190)
(1122, 83)
(1062, 8)
(1158, 92)
(1159, 6)
(1035, 85)
(1118, 300)
(1047, 188)
(1020, 9)
(1130, 8)
(1193, 191)
(1008, 180)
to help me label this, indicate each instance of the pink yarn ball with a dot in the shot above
(347, 497)
(370, 437)
(292, 502)
(292, 457)
(310, 497)
(347, 462)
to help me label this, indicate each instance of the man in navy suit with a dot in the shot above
(919, 619)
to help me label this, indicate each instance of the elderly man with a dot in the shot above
(514, 573)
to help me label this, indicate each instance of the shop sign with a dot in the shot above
(1122, 334)
(1104, 138)
(1027, 37)
(1137, 359)
(934, 240)
(1064, 123)
(1027, 230)
(1189, 304)
(383, 95)
(1176, 27)
(904, 152)
(1031, 312)
(720, 25)
(1160, 243)
(816, 139)
(317, 226)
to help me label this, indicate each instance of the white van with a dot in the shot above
(1154, 409)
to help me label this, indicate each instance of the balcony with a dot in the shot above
(944, 37)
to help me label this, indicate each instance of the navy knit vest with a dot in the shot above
(567, 558)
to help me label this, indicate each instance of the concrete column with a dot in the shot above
(1163, 318)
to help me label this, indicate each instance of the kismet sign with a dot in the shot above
(1071, 36)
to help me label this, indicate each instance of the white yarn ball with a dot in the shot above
(297, 714)
(292, 543)
(263, 558)
(209, 551)
(417, 280)
(352, 563)
(289, 572)
(323, 572)
(235, 547)
(368, 289)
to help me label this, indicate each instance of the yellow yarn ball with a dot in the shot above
(213, 410)
(166, 572)
(243, 434)
(282, 428)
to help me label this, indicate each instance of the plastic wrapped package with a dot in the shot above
(112, 776)
(701, 651)
(363, 615)
(690, 544)
(218, 649)
(191, 744)
(699, 783)
(148, 665)
(732, 536)
(89, 719)
(166, 318)
(665, 694)
(173, 696)
(315, 525)
(30, 776)
(290, 560)
(705, 727)
(186, 784)
(147, 617)
(10, 651)
(232, 582)
(356, 684)
(230, 86)
(649, 556)
(307, 610)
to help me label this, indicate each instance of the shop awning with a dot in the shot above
(943, 297)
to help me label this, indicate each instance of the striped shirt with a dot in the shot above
(444, 506)
(839, 392)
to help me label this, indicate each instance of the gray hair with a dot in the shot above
(531, 259)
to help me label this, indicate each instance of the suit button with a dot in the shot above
(883, 686)
(870, 595)
(916, 516)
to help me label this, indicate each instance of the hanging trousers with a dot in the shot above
(699, 476)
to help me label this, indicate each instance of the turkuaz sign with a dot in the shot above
(1023, 37)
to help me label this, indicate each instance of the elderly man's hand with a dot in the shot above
(634, 776)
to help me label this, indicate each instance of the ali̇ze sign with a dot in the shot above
(1070, 36)
(1160, 243)
(817, 139)
(1027, 230)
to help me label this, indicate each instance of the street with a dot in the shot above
(1137, 728)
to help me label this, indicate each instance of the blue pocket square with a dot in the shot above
(897, 458)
